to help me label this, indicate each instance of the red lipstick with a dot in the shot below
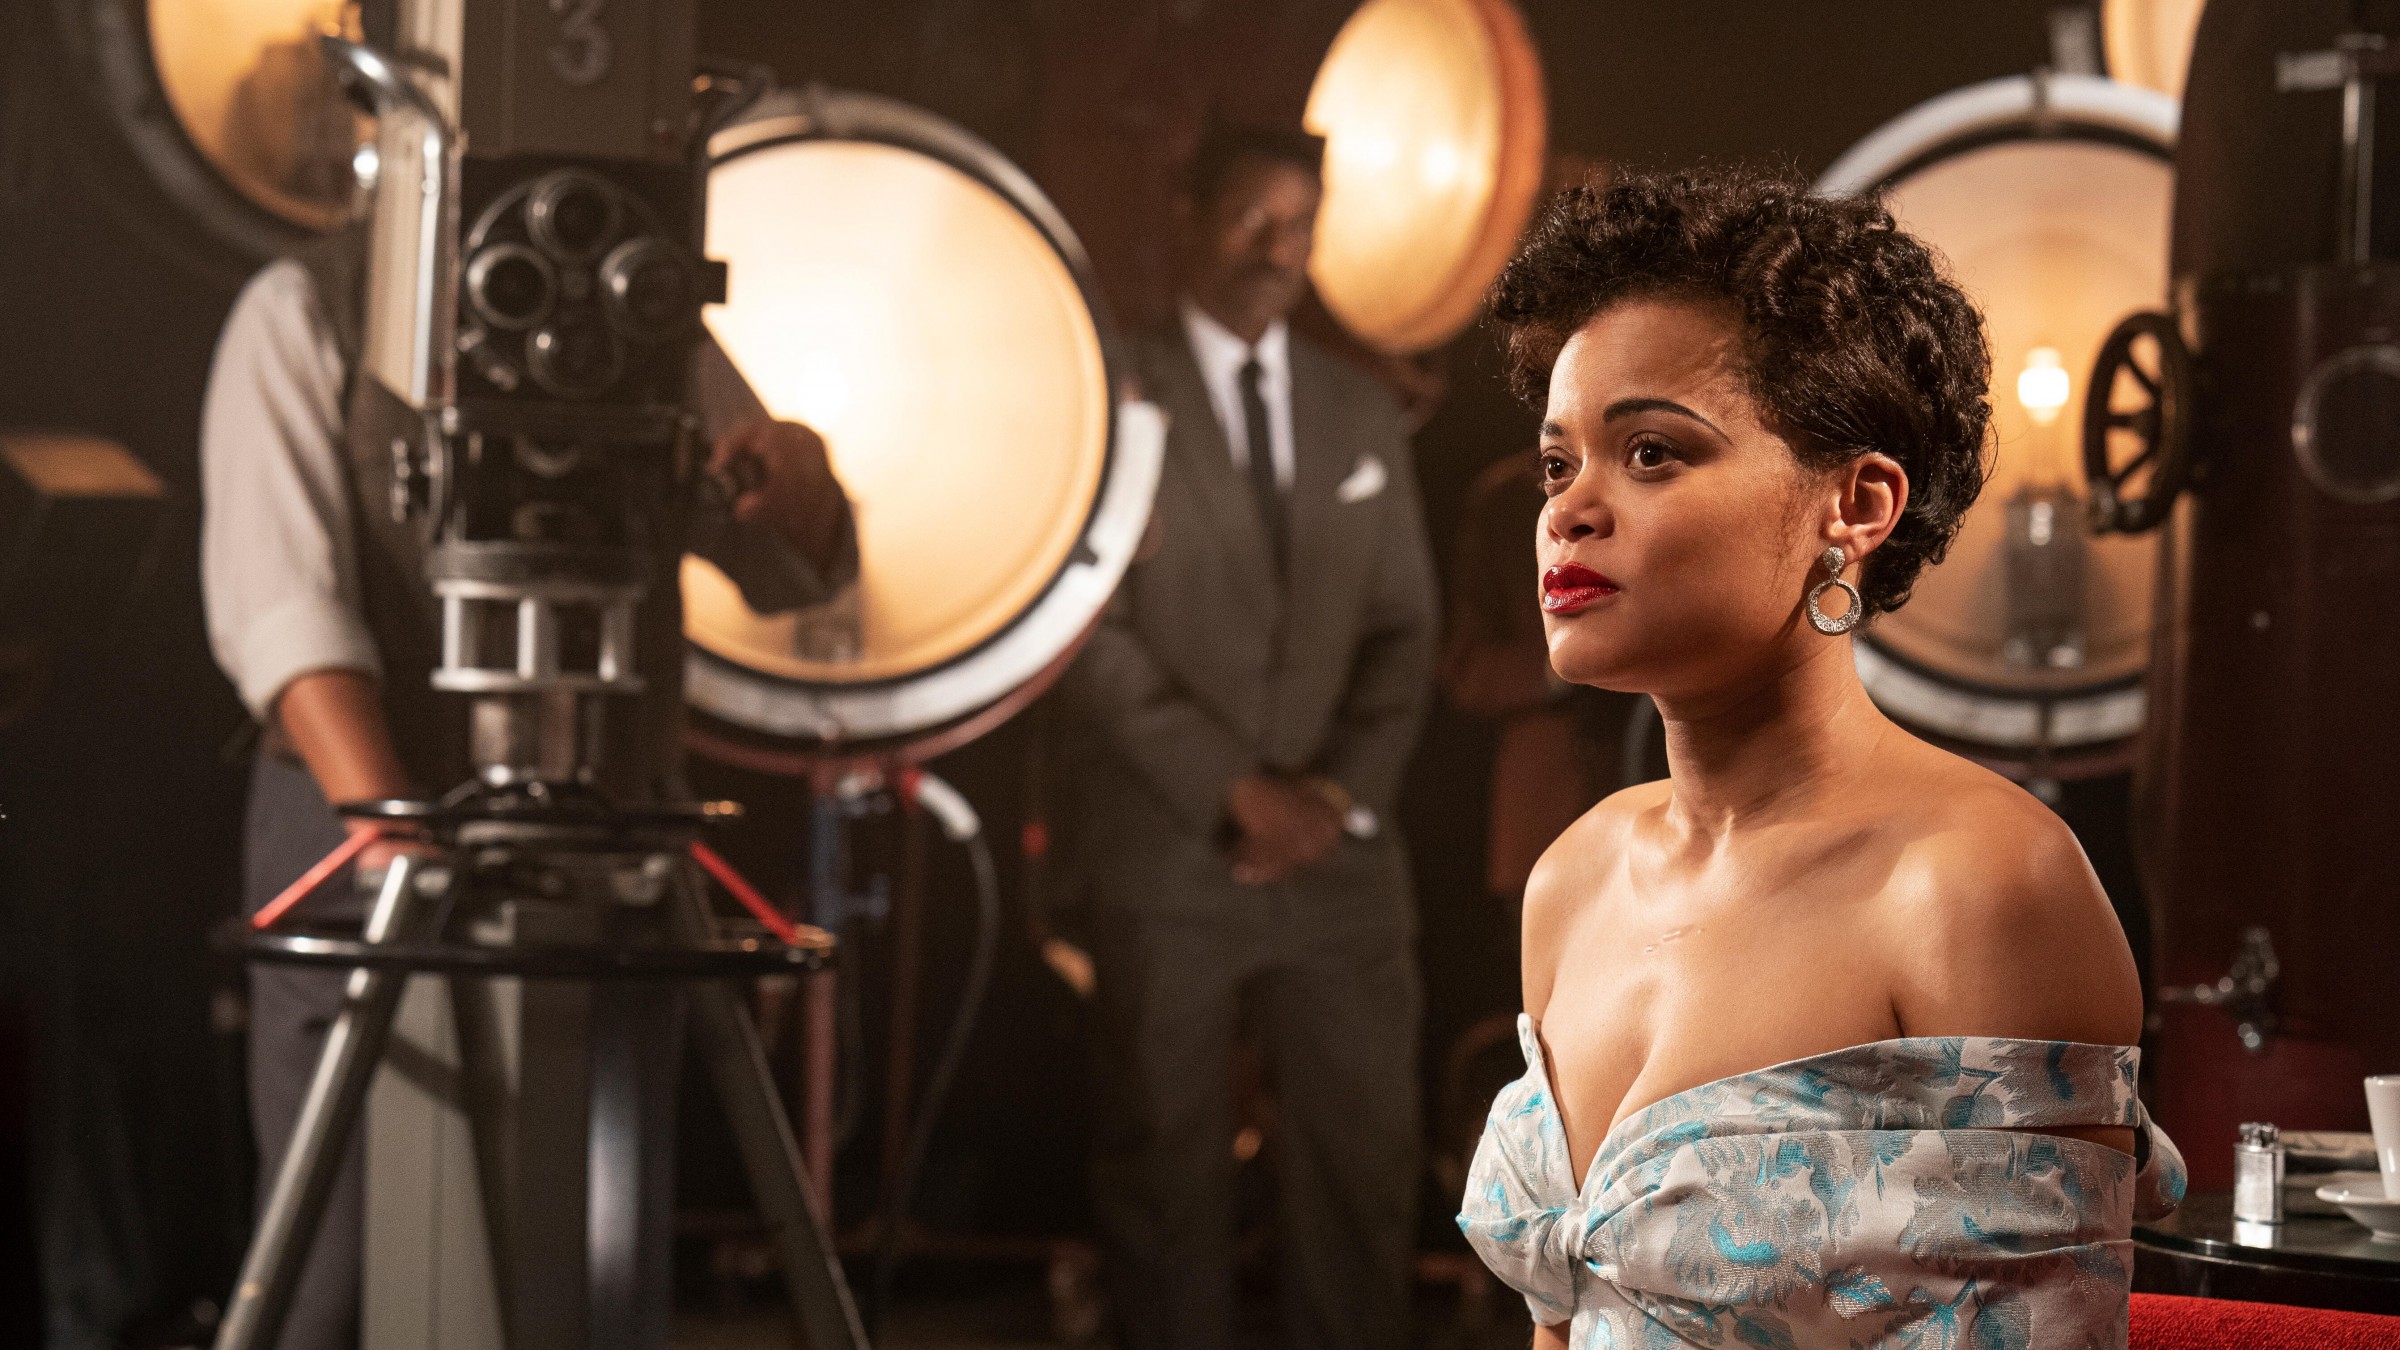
(1572, 587)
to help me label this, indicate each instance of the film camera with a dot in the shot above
(532, 296)
(528, 293)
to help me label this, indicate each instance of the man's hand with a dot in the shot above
(782, 479)
(334, 720)
(1284, 827)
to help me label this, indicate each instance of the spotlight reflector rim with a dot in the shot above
(2010, 108)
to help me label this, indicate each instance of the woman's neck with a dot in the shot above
(1739, 754)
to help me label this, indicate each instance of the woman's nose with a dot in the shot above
(1579, 512)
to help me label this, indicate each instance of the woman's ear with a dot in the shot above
(1873, 491)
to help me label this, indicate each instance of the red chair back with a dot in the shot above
(2172, 1322)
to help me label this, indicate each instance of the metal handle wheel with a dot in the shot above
(2145, 357)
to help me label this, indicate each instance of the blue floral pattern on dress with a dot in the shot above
(1897, 1194)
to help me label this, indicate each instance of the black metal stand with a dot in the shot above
(577, 1178)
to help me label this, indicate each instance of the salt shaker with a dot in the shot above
(2258, 1175)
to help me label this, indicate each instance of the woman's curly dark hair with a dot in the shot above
(1854, 339)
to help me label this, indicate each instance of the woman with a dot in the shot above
(1828, 1035)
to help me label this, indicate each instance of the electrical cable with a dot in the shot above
(850, 1083)
(315, 877)
(960, 824)
(761, 909)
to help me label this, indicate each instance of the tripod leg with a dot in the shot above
(636, 1054)
(737, 1062)
(328, 1116)
(777, 1176)
(485, 1092)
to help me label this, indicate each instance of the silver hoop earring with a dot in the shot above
(1833, 560)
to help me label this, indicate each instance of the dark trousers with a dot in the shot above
(1335, 1008)
(291, 1008)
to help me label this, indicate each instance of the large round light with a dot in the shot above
(2050, 199)
(2149, 42)
(1432, 112)
(246, 86)
(923, 325)
(898, 286)
(231, 111)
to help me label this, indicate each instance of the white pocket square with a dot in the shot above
(1364, 481)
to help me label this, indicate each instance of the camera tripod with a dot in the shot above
(599, 913)
(530, 304)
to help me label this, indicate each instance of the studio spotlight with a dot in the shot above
(911, 295)
(232, 110)
(1433, 117)
(2149, 42)
(2049, 198)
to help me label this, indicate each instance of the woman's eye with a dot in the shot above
(1554, 467)
(1647, 454)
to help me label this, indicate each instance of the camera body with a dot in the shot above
(533, 293)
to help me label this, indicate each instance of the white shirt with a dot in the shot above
(1221, 356)
(278, 554)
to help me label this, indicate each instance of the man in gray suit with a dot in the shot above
(1250, 700)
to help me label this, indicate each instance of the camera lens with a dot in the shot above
(576, 359)
(2347, 423)
(650, 287)
(511, 286)
(573, 215)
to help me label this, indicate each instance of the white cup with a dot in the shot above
(2383, 1115)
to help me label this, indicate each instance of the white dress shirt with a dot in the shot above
(1221, 356)
(278, 544)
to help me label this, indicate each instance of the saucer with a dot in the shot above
(2368, 1205)
(2300, 1190)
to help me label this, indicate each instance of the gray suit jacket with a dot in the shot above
(1205, 668)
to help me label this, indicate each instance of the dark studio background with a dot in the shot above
(124, 803)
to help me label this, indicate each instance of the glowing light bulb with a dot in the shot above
(923, 324)
(1439, 164)
(1433, 114)
(821, 392)
(2043, 385)
(1369, 149)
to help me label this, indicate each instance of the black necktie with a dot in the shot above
(1262, 460)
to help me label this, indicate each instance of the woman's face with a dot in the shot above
(1680, 533)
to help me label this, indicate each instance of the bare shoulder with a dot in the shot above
(1997, 924)
(1571, 873)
